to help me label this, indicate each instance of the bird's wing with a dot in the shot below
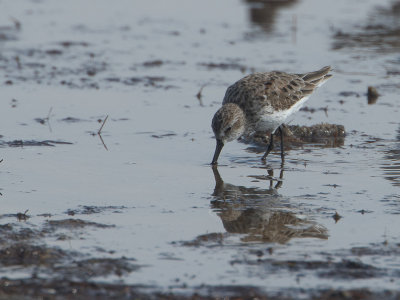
(283, 90)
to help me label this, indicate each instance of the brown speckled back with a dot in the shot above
(277, 90)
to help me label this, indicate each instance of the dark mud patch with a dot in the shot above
(341, 270)
(165, 135)
(153, 63)
(364, 294)
(10, 32)
(50, 270)
(318, 131)
(372, 95)
(168, 134)
(326, 135)
(209, 240)
(350, 269)
(73, 120)
(68, 44)
(313, 110)
(11, 233)
(42, 121)
(19, 216)
(349, 94)
(159, 62)
(226, 66)
(257, 225)
(148, 81)
(33, 143)
(89, 210)
(47, 66)
(380, 32)
(74, 224)
(383, 249)
(96, 267)
(86, 68)
(53, 289)
(270, 226)
(55, 273)
(25, 255)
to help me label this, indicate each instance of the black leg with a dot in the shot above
(280, 181)
(282, 153)
(271, 179)
(270, 147)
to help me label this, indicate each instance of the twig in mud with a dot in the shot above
(336, 217)
(18, 61)
(325, 109)
(48, 115)
(17, 23)
(45, 120)
(23, 216)
(104, 144)
(1, 160)
(199, 95)
(48, 118)
(99, 132)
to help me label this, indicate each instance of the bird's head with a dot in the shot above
(228, 124)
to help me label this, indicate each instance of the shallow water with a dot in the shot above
(65, 68)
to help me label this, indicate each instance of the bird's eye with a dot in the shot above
(227, 130)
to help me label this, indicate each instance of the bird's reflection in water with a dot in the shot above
(265, 12)
(391, 163)
(263, 215)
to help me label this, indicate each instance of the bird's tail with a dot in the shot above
(317, 77)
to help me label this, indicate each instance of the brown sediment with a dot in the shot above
(31, 143)
(24, 248)
(88, 210)
(331, 135)
(372, 95)
(224, 66)
(206, 240)
(74, 223)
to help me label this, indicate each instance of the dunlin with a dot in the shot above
(262, 102)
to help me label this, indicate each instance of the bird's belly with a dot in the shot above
(270, 122)
(269, 119)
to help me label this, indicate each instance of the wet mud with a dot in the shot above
(97, 208)
(26, 143)
(56, 273)
(329, 135)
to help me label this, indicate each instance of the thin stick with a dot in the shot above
(99, 132)
(48, 115)
(101, 139)
(48, 118)
(199, 95)
(17, 23)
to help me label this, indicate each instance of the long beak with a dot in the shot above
(218, 149)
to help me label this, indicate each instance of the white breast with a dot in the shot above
(271, 119)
